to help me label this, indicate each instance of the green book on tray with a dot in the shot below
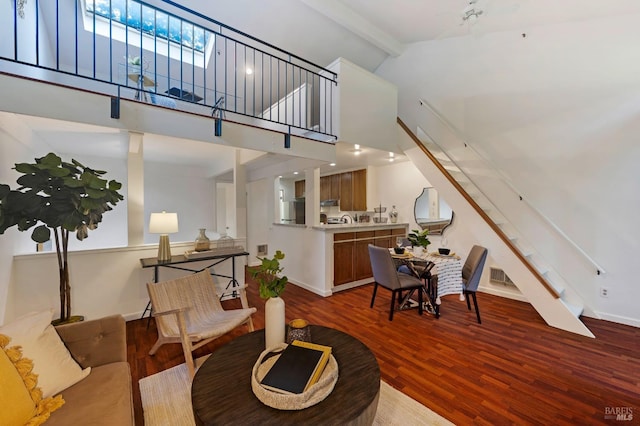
(299, 366)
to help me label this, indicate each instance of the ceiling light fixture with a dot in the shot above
(295, 173)
(249, 71)
(332, 164)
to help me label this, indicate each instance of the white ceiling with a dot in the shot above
(364, 32)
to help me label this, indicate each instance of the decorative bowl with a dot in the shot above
(444, 251)
(399, 250)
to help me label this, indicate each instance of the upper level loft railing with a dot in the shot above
(175, 58)
(479, 170)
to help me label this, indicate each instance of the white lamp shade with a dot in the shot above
(163, 223)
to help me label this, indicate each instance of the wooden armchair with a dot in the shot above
(188, 311)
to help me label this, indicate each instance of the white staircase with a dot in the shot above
(546, 290)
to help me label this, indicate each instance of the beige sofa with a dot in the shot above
(104, 397)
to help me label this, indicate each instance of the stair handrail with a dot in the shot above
(479, 210)
(599, 269)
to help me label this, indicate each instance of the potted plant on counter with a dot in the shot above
(271, 287)
(419, 239)
(61, 197)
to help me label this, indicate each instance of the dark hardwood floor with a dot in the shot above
(511, 369)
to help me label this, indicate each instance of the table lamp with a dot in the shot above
(164, 224)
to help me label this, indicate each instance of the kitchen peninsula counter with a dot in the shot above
(350, 241)
(325, 259)
(367, 226)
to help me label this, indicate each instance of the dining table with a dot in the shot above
(447, 269)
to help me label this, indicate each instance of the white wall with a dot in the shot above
(556, 113)
(364, 107)
(400, 184)
(9, 150)
(259, 220)
(183, 189)
(103, 282)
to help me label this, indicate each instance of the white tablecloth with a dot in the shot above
(449, 271)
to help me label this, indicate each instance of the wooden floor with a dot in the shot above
(511, 369)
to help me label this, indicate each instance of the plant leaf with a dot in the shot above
(41, 234)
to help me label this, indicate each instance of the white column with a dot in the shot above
(240, 195)
(135, 189)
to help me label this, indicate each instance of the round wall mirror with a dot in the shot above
(431, 212)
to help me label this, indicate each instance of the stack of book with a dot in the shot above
(299, 366)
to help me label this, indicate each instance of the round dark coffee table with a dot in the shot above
(221, 390)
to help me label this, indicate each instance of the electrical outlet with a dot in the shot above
(604, 292)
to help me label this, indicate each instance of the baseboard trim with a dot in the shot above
(633, 322)
(506, 294)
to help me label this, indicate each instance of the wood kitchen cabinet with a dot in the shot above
(325, 188)
(359, 178)
(335, 186)
(351, 252)
(387, 237)
(353, 191)
(330, 187)
(343, 256)
(362, 263)
(383, 238)
(348, 187)
(299, 188)
(346, 192)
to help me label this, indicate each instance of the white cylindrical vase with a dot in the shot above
(274, 324)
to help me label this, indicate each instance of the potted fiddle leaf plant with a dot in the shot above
(60, 198)
(271, 286)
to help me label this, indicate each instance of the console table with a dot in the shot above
(221, 390)
(181, 262)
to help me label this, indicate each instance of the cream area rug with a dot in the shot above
(166, 401)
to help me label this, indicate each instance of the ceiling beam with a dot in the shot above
(349, 19)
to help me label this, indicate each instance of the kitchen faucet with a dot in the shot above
(346, 216)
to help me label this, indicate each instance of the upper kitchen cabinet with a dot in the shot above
(330, 187)
(299, 188)
(346, 192)
(353, 191)
(359, 190)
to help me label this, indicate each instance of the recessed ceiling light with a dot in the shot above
(356, 146)
(391, 154)
(295, 173)
(249, 71)
(332, 164)
(280, 177)
(391, 159)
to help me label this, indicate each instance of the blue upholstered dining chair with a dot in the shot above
(471, 273)
(386, 275)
